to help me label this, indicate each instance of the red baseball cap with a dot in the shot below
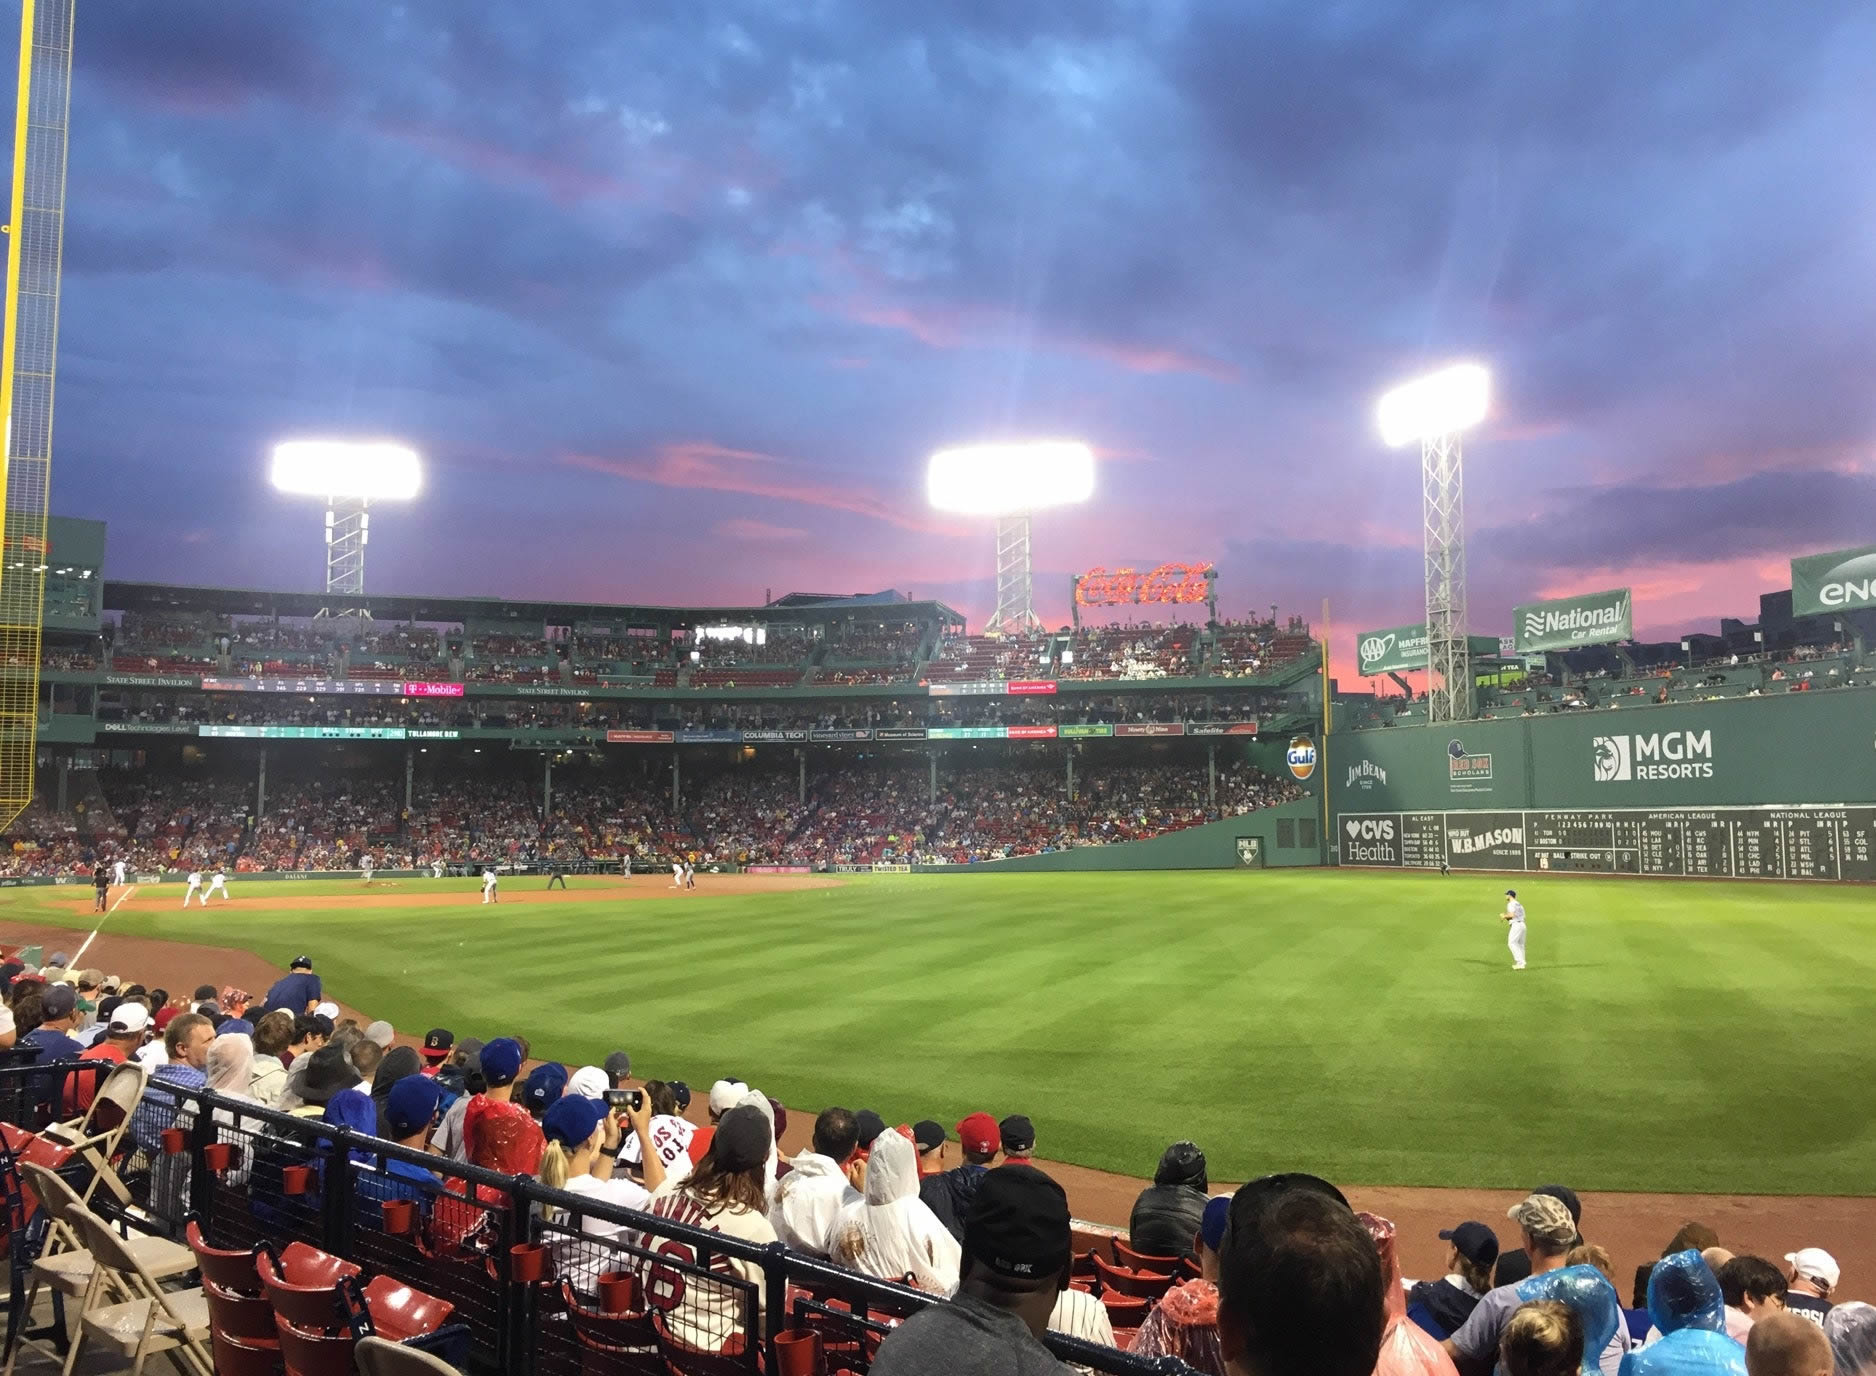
(979, 1134)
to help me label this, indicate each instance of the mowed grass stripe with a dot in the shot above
(1672, 1036)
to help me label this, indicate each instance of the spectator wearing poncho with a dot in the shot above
(892, 1234)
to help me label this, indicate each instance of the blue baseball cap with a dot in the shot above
(544, 1085)
(572, 1120)
(411, 1104)
(501, 1061)
(1212, 1226)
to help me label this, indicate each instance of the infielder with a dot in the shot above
(690, 875)
(119, 872)
(1514, 938)
(195, 887)
(488, 885)
(436, 868)
(218, 883)
(677, 874)
(364, 865)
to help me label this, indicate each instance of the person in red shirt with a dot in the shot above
(126, 1030)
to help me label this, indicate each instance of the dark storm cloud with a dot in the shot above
(1198, 232)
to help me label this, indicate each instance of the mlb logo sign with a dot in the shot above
(1612, 761)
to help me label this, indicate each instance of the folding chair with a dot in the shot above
(1119, 1280)
(96, 1132)
(142, 1318)
(65, 1262)
(612, 1344)
(376, 1357)
(1140, 1261)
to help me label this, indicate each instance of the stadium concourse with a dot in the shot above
(201, 1018)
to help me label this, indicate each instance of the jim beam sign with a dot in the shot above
(1840, 581)
(1598, 618)
(1389, 651)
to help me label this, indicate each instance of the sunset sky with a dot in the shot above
(675, 298)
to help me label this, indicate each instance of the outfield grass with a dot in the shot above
(1669, 1035)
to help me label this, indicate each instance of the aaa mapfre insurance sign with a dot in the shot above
(1169, 583)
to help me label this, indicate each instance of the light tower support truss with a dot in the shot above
(28, 359)
(348, 531)
(1016, 601)
(1449, 664)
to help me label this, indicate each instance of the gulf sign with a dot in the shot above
(1301, 757)
(1173, 584)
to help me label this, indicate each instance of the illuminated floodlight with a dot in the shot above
(350, 475)
(370, 470)
(1010, 479)
(1442, 403)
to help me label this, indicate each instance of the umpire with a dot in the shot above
(556, 874)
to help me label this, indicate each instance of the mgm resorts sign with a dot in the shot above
(1842, 580)
(1653, 755)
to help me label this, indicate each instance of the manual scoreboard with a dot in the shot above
(1802, 842)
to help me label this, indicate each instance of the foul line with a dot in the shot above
(128, 891)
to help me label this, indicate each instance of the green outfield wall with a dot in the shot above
(1791, 748)
(1283, 836)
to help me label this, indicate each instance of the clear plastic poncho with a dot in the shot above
(1688, 1352)
(1590, 1297)
(1683, 1292)
(1851, 1328)
(1407, 1349)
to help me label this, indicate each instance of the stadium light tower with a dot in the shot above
(1009, 481)
(350, 475)
(1437, 410)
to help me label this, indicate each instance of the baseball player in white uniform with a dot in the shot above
(488, 885)
(365, 865)
(195, 887)
(677, 874)
(1514, 938)
(217, 884)
(436, 869)
(119, 873)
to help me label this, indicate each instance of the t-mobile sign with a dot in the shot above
(433, 690)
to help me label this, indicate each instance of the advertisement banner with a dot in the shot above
(638, 738)
(1019, 687)
(1390, 651)
(964, 733)
(149, 681)
(146, 728)
(778, 869)
(1031, 733)
(414, 689)
(786, 736)
(1596, 618)
(708, 737)
(329, 687)
(898, 733)
(1170, 583)
(1086, 731)
(1150, 728)
(1839, 581)
(1485, 840)
(431, 733)
(307, 733)
(854, 733)
(1221, 728)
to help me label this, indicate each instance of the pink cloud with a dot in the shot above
(757, 531)
(703, 466)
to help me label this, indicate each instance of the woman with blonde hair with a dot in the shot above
(582, 1139)
(1542, 1339)
(892, 1233)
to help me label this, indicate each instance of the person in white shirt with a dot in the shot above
(892, 1233)
(670, 1134)
(195, 887)
(119, 872)
(810, 1198)
(488, 885)
(218, 883)
(582, 1139)
(1514, 937)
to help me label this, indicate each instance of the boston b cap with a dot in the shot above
(437, 1043)
(1018, 1224)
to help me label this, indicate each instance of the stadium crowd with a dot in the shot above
(860, 812)
(1280, 1276)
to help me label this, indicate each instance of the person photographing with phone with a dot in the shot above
(583, 1137)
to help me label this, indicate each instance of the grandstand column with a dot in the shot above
(932, 757)
(1069, 755)
(547, 787)
(410, 767)
(1211, 776)
(801, 781)
(260, 788)
(676, 804)
(65, 769)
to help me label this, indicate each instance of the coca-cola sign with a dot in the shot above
(1174, 584)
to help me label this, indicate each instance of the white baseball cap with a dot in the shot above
(1816, 1263)
(725, 1095)
(129, 1017)
(589, 1081)
(380, 1032)
(327, 1010)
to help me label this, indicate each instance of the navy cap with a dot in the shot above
(870, 1125)
(1018, 1224)
(1475, 1242)
(300, 963)
(618, 1065)
(572, 1120)
(411, 1104)
(543, 1087)
(501, 1061)
(928, 1135)
(1212, 1224)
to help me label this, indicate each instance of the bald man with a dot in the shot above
(1786, 1345)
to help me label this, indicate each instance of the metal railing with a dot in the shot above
(522, 1264)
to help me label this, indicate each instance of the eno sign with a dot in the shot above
(1169, 583)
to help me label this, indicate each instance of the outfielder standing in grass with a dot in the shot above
(1514, 915)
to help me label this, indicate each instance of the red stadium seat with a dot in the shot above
(1140, 1261)
(1119, 1280)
